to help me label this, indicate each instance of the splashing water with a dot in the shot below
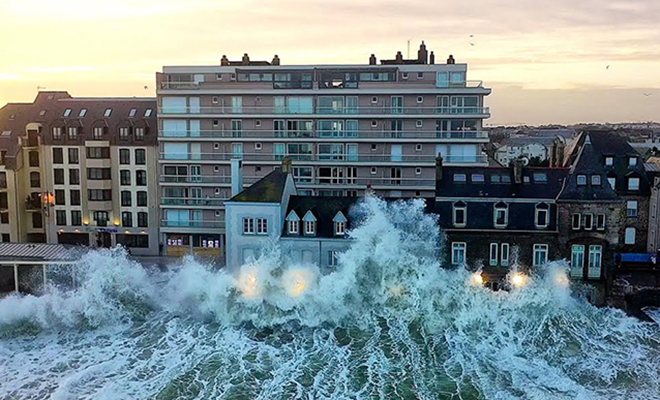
(389, 323)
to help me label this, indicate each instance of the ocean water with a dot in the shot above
(389, 323)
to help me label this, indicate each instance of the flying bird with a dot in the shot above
(647, 94)
(608, 67)
(146, 87)
(471, 44)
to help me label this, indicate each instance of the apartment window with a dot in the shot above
(340, 228)
(633, 183)
(632, 161)
(216, 123)
(216, 146)
(577, 257)
(82, 113)
(58, 155)
(58, 175)
(458, 253)
(101, 218)
(262, 226)
(630, 236)
(540, 254)
(460, 178)
(504, 254)
(478, 178)
(4, 199)
(142, 219)
(374, 124)
(581, 180)
(588, 221)
(374, 100)
(404, 75)
(98, 152)
(142, 198)
(73, 132)
(418, 147)
(140, 156)
(500, 216)
(74, 177)
(37, 220)
(258, 146)
(35, 180)
(576, 221)
(218, 77)
(76, 218)
(125, 198)
(293, 227)
(141, 178)
(99, 194)
(542, 215)
(57, 133)
(60, 198)
(595, 180)
(632, 208)
(74, 197)
(609, 161)
(595, 257)
(215, 99)
(74, 155)
(374, 147)
(124, 133)
(4, 218)
(99, 174)
(125, 177)
(420, 99)
(248, 226)
(97, 133)
(127, 219)
(420, 75)
(139, 133)
(34, 158)
(374, 170)
(67, 112)
(540, 177)
(460, 214)
(418, 171)
(310, 227)
(3, 180)
(600, 222)
(494, 247)
(333, 257)
(419, 123)
(133, 112)
(60, 217)
(6, 238)
(148, 112)
(124, 156)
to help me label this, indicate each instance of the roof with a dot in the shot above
(268, 189)
(324, 209)
(528, 140)
(39, 252)
(535, 188)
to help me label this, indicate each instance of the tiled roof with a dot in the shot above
(268, 189)
(324, 209)
(39, 252)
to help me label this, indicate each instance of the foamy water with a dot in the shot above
(389, 323)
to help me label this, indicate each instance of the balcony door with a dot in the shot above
(396, 153)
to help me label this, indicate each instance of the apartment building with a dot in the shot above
(346, 127)
(81, 171)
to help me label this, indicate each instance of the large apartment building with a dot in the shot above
(80, 171)
(346, 127)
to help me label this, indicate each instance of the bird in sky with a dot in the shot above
(608, 67)
(647, 94)
(146, 87)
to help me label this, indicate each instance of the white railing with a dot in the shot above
(192, 201)
(321, 110)
(359, 134)
(192, 224)
(348, 158)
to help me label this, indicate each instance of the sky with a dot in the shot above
(546, 61)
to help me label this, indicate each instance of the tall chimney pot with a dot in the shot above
(372, 59)
(276, 60)
(246, 59)
(432, 58)
(224, 61)
(286, 165)
(422, 54)
(451, 60)
(438, 167)
(399, 57)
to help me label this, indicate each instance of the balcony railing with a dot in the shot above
(192, 224)
(320, 110)
(349, 158)
(192, 201)
(359, 134)
(204, 179)
(363, 182)
(310, 85)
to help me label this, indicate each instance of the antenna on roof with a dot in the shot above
(408, 54)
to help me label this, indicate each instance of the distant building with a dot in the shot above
(535, 147)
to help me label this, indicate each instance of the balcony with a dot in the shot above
(363, 182)
(320, 110)
(470, 84)
(326, 135)
(323, 158)
(193, 201)
(193, 224)
(199, 179)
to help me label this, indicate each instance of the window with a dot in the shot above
(35, 180)
(340, 228)
(600, 222)
(141, 178)
(82, 113)
(478, 178)
(540, 177)
(124, 133)
(74, 177)
(612, 181)
(632, 161)
(67, 112)
(374, 170)
(542, 215)
(595, 180)
(588, 221)
(97, 133)
(577, 257)
(142, 219)
(504, 254)
(581, 180)
(216, 123)
(57, 133)
(310, 227)
(632, 208)
(139, 133)
(133, 112)
(3, 180)
(99, 194)
(126, 198)
(74, 155)
(404, 75)
(374, 100)
(540, 254)
(248, 226)
(293, 227)
(494, 247)
(76, 218)
(262, 226)
(630, 236)
(101, 218)
(609, 161)
(140, 156)
(142, 198)
(374, 124)
(500, 215)
(420, 99)
(460, 214)
(72, 132)
(258, 146)
(4, 218)
(460, 178)
(595, 257)
(98, 152)
(418, 147)
(458, 253)
(420, 75)
(74, 197)
(576, 221)
(99, 174)
(124, 156)
(107, 112)
(148, 112)
(215, 99)
(127, 219)
(418, 171)
(60, 198)
(60, 217)
(34, 158)
(633, 183)
(58, 175)
(37, 220)
(58, 155)
(419, 123)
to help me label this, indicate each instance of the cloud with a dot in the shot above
(61, 69)
(8, 77)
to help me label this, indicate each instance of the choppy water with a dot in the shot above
(388, 324)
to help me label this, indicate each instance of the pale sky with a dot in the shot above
(546, 61)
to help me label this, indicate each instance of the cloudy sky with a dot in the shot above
(545, 60)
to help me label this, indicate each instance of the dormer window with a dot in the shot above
(339, 222)
(293, 223)
(309, 222)
(460, 214)
(595, 180)
(82, 113)
(107, 112)
(632, 161)
(148, 112)
(633, 183)
(582, 180)
(67, 112)
(501, 215)
(460, 178)
(609, 161)
(133, 112)
(542, 218)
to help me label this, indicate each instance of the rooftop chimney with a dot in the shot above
(236, 176)
(286, 165)
(246, 59)
(224, 61)
(557, 153)
(399, 57)
(518, 170)
(276, 60)
(432, 58)
(438, 167)
(422, 54)
(451, 60)
(372, 59)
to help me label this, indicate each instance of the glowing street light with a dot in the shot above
(518, 279)
(477, 279)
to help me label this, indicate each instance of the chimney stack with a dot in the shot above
(438, 167)
(432, 58)
(399, 57)
(451, 60)
(557, 153)
(518, 171)
(276, 60)
(246, 59)
(372, 59)
(422, 54)
(224, 61)
(286, 165)
(236, 176)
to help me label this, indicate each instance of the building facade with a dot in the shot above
(346, 127)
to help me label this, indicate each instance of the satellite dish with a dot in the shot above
(525, 161)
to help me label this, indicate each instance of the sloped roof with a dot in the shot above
(39, 252)
(268, 189)
(324, 209)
